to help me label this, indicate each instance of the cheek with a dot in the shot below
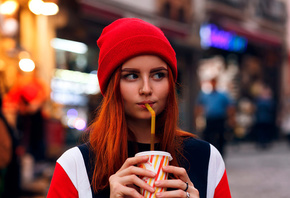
(127, 92)
(162, 93)
(128, 95)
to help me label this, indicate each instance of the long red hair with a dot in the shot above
(109, 133)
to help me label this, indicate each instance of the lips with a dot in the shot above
(142, 104)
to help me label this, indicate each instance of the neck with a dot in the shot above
(141, 129)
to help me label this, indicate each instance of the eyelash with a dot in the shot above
(133, 76)
(160, 75)
(126, 76)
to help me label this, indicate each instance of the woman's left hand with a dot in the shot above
(184, 188)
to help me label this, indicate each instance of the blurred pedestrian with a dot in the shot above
(137, 66)
(26, 99)
(9, 160)
(265, 119)
(244, 118)
(284, 118)
(5, 142)
(5, 149)
(218, 110)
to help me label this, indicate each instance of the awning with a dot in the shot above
(253, 35)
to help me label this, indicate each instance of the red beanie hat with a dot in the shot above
(126, 38)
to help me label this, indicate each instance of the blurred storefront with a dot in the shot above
(26, 28)
(241, 41)
(245, 40)
(285, 89)
(246, 43)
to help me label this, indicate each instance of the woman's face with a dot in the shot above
(144, 79)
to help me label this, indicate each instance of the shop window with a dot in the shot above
(272, 10)
(177, 10)
(166, 10)
(181, 15)
(234, 3)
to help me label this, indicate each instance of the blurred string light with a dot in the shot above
(70, 46)
(9, 7)
(10, 27)
(49, 9)
(26, 65)
(72, 113)
(74, 121)
(70, 87)
(87, 83)
(40, 7)
(70, 122)
(79, 124)
(9, 24)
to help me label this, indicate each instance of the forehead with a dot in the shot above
(144, 61)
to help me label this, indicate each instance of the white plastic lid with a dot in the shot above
(163, 153)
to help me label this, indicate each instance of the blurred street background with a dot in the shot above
(49, 88)
(254, 172)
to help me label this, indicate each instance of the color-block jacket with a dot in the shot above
(204, 165)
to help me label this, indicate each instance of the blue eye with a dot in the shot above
(131, 76)
(159, 75)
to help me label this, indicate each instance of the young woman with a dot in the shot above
(137, 65)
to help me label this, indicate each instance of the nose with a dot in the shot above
(145, 88)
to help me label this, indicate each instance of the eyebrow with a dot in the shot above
(137, 70)
(159, 69)
(129, 70)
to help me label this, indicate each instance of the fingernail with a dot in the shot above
(157, 183)
(158, 194)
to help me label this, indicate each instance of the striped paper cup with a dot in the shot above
(157, 159)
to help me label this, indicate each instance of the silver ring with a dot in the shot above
(186, 186)
(187, 195)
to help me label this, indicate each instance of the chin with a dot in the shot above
(143, 117)
(139, 116)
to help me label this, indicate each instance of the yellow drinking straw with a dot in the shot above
(152, 126)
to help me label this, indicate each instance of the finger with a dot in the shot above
(134, 161)
(171, 183)
(131, 192)
(178, 193)
(118, 187)
(133, 170)
(178, 172)
(133, 179)
(172, 194)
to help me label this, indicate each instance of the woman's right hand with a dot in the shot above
(123, 183)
